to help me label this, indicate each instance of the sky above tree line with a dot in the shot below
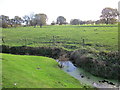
(70, 9)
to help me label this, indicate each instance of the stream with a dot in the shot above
(87, 78)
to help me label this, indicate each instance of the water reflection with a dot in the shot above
(85, 77)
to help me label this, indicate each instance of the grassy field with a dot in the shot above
(66, 36)
(20, 71)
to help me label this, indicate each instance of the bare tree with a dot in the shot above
(26, 19)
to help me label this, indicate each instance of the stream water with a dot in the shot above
(87, 78)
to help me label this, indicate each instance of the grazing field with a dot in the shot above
(20, 71)
(65, 36)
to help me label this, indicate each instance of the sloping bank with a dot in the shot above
(102, 64)
(18, 72)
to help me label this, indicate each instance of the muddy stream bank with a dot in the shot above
(88, 61)
(87, 78)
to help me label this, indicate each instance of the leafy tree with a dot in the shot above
(12, 22)
(97, 22)
(61, 20)
(0, 22)
(90, 22)
(18, 20)
(75, 22)
(4, 21)
(53, 23)
(109, 15)
(40, 19)
(82, 22)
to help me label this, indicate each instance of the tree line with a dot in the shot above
(108, 16)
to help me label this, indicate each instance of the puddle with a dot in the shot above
(87, 78)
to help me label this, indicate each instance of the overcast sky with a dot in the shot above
(70, 9)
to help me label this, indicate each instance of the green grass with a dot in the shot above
(66, 36)
(22, 70)
(0, 71)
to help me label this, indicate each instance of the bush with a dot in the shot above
(4, 25)
(103, 64)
